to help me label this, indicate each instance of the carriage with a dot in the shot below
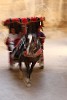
(28, 49)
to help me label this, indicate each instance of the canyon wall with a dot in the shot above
(55, 11)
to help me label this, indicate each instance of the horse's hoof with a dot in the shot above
(28, 84)
(41, 67)
(27, 80)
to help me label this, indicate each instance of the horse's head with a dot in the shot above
(33, 45)
(29, 44)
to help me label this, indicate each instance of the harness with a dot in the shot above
(21, 46)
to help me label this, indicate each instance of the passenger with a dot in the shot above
(41, 37)
(14, 41)
(14, 38)
(21, 41)
(22, 34)
(11, 38)
(10, 42)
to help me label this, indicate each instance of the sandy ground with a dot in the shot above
(47, 84)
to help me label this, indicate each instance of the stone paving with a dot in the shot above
(47, 84)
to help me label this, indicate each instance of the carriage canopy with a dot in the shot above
(32, 23)
(23, 20)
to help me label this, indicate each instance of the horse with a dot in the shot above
(33, 53)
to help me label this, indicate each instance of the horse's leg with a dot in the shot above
(27, 79)
(27, 69)
(32, 65)
(31, 68)
(20, 70)
(20, 66)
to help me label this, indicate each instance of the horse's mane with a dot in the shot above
(34, 44)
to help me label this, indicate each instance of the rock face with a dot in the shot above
(55, 11)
